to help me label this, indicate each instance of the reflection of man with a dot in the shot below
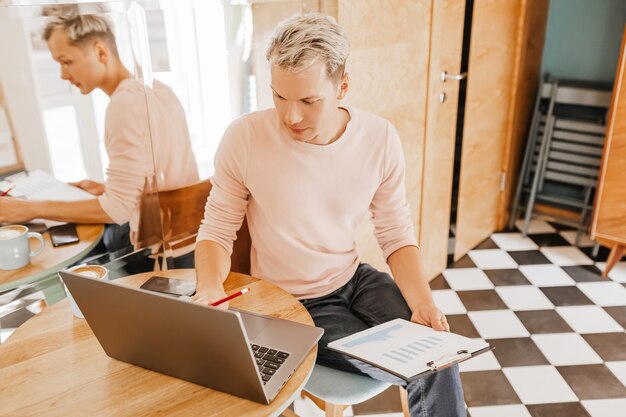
(304, 174)
(85, 47)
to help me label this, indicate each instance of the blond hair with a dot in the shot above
(80, 29)
(301, 41)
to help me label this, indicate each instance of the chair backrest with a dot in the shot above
(177, 220)
(574, 153)
(578, 93)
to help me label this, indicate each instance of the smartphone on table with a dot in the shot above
(64, 234)
(171, 286)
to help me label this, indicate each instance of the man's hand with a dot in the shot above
(15, 210)
(207, 296)
(92, 187)
(430, 315)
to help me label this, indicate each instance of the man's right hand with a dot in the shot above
(212, 266)
(207, 296)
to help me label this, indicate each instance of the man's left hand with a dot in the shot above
(92, 187)
(14, 210)
(430, 315)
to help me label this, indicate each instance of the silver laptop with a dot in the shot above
(245, 354)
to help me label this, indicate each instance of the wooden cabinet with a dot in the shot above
(608, 225)
(396, 67)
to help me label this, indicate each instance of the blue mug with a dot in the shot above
(15, 250)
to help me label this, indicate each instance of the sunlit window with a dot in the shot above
(64, 143)
(202, 50)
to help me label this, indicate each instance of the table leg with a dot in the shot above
(52, 288)
(289, 413)
(614, 257)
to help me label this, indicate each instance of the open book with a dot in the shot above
(409, 350)
(39, 185)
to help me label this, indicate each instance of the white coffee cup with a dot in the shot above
(15, 246)
(90, 271)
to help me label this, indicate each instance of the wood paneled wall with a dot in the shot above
(388, 69)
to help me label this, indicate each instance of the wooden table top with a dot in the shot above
(53, 259)
(53, 365)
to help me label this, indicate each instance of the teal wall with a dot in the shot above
(583, 38)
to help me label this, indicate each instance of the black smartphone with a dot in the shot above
(63, 234)
(171, 286)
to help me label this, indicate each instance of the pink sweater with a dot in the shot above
(303, 202)
(129, 140)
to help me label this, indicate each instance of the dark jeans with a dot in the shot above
(368, 299)
(116, 237)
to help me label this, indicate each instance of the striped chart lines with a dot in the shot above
(406, 353)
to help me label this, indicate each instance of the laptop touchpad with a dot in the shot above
(254, 324)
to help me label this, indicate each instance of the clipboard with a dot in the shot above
(409, 350)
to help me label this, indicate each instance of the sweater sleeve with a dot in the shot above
(129, 149)
(226, 206)
(393, 226)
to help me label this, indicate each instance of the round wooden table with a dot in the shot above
(53, 365)
(52, 259)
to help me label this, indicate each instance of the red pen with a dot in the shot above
(230, 297)
(7, 191)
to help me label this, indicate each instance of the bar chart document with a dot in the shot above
(409, 350)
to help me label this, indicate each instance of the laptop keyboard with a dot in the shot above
(268, 361)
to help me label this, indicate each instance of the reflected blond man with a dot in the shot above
(139, 144)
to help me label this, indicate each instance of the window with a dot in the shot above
(64, 143)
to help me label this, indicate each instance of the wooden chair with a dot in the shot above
(170, 220)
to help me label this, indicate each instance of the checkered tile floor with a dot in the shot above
(557, 327)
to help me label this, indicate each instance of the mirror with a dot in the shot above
(56, 111)
(208, 54)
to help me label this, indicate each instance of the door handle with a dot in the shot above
(452, 77)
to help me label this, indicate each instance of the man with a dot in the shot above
(305, 173)
(86, 49)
